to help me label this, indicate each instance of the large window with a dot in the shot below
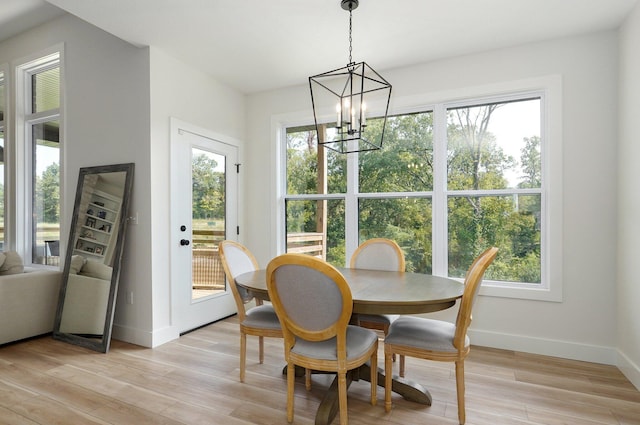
(449, 182)
(38, 154)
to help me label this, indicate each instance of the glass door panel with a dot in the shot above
(208, 196)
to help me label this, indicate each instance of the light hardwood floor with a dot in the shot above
(194, 380)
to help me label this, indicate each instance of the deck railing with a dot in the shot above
(206, 268)
(42, 254)
(307, 243)
(207, 271)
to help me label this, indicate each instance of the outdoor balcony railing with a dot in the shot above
(207, 272)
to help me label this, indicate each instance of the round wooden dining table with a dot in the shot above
(378, 292)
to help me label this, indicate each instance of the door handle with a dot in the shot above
(184, 242)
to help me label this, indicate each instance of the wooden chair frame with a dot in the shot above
(242, 312)
(473, 280)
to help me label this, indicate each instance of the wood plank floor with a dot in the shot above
(194, 380)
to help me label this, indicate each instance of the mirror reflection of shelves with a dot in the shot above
(96, 233)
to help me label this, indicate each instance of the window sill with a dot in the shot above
(526, 292)
(44, 266)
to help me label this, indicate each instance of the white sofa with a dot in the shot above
(28, 303)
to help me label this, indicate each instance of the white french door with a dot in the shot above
(203, 213)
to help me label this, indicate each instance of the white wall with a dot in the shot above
(628, 289)
(583, 325)
(179, 91)
(106, 120)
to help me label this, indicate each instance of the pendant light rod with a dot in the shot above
(350, 5)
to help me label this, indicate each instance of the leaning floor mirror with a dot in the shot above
(92, 264)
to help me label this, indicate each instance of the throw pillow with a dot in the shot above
(12, 263)
(2, 258)
(77, 261)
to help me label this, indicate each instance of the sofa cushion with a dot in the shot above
(96, 269)
(2, 258)
(12, 263)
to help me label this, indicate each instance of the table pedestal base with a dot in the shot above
(328, 409)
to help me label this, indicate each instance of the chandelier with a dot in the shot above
(350, 94)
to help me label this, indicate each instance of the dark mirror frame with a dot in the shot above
(95, 343)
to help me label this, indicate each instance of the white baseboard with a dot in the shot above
(629, 369)
(166, 334)
(131, 335)
(547, 347)
(144, 338)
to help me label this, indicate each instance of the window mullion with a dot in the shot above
(351, 206)
(23, 152)
(439, 224)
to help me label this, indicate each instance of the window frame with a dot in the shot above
(441, 225)
(549, 90)
(22, 190)
(4, 77)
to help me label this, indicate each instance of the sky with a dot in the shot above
(510, 124)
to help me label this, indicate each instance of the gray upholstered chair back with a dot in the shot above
(378, 254)
(310, 299)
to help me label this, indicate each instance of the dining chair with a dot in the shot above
(314, 304)
(379, 254)
(260, 320)
(435, 339)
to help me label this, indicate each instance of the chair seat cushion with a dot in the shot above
(262, 316)
(425, 334)
(359, 340)
(384, 319)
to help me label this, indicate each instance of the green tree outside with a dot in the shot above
(208, 189)
(48, 194)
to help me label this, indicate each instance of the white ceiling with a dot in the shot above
(19, 15)
(256, 45)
